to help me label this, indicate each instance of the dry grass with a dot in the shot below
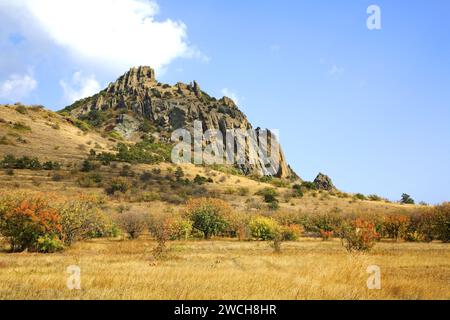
(308, 269)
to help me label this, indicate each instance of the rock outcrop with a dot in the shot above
(139, 95)
(323, 182)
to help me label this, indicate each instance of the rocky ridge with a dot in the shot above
(137, 98)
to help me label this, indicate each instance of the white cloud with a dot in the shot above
(114, 34)
(17, 87)
(80, 87)
(336, 70)
(231, 94)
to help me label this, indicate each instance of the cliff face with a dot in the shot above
(137, 97)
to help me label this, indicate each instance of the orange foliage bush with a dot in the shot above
(24, 220)
(359, 235)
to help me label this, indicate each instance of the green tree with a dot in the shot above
(406, 199)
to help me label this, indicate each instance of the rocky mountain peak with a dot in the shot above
(140, 77)
(323, 182)
(136, 98)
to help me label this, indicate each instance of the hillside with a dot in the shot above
(46, 135)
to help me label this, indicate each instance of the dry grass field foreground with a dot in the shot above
(308, 269)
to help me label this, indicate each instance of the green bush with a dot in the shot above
(11, 162)
(263, 228)
(308, 185)
(360, 196)
(269, 194)
(117, 185)
(49, 244)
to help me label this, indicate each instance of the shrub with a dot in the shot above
(325, 224)
(21, 109)
(441, 217)
(263, 228)
(326, 234)
(87, 166)
(117, 185)
(308, 185)
(94, 118)
(20, 126)
(269, 194)
(23, 220)
(274, 205)
(179, 173)
(11, 162)
(358, 235)
(179, 228)
(395, 226)
(49, 244)
(238, 225)
(208, 215)
(297, 191)
(291, 232)
(160, 227)
(82, 219)
(374, 197)
(202, 180)
(133, 223)
(360, 196)
(243, 191)
(50, 165)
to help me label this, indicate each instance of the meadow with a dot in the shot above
(225, 269)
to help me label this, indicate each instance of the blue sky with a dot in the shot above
(370, 108)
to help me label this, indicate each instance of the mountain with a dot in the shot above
(137, 104)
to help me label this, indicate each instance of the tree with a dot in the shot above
(179, 174)
(406, 199)
(208, 215)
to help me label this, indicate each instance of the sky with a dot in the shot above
(368, 107)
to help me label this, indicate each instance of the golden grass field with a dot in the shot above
(222, 269)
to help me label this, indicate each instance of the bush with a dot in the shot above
(208, 215)
(49, 244)
(263, 228)
(24, 220)
(326, 234)
(160, 227)
(133, 223)
(269, 194)
(11, 162)
(441, 217)
(81, 219)
(360, 196)
(374, 197)
(117, 185)
(291, 232)
(87, 166)
(50, 165)
(309, 185)
(395, 226)
(358, 235)
(243, 191)
(179, 228)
